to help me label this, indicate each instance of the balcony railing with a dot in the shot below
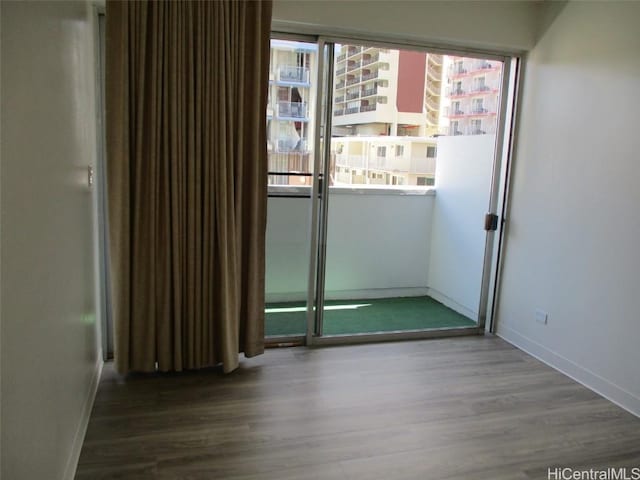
(456, 92)
(353, 65)
(435, 59)
(290, 73)
(353, 81)
(352, 161)
(368, 108)
(481, 89)
(340, 71)
(351, 110)
(292, 109)
(479, 110)
(457, 70)
(369, 76)
(340, 84)
(340, 99)
(352, 96)
(431, 103)
(371, 59)
(369, 92)
(338, 113)
(353, 51)
(341, 57)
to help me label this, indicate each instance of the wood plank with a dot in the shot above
(460, 408)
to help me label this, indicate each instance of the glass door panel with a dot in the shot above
(291, 112)
(409, 182)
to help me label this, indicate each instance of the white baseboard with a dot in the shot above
(78, 440)
(350, 294)
(584, 376)
(452, 304)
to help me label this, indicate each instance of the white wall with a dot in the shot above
(463, 180)
(481, 24)
(377, 245)
(49, 337)
(574, 227)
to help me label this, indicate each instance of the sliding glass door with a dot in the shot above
(291, 140)
(404, 150)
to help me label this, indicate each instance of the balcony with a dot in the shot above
(369, 76)
(433, 87)
(338, 113)
(456, 71)
(370, 60)
(434, 59)
(353, 81)
(292, 110)
(340, 99)
(351, 51)
(351, 161)
(290, 73)
(432, 103)
(353, 65)
(457, 92)
(341, 57)
(340, 84)
(369, 92)
(353, 96)
(383, 244)
(351, 110)
(482, 89)
(368, 108)
(341, 71)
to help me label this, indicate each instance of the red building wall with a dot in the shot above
(411, 78)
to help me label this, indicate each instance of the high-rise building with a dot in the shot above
(386, 106)
(378, 91)
(472, 95)
(290, 110)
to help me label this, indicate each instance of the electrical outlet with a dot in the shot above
(542, 317)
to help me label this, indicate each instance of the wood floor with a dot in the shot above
(464, 408)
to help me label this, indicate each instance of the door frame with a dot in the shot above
(320, 191)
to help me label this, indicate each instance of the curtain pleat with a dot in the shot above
(187, 180)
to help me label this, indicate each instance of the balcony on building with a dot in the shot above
(369, 92)
(353, 50)
(369, 59)
(293, 110)
(353, 65)
(369, 75)
(291, 74)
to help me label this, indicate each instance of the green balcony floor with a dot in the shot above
(343, 317)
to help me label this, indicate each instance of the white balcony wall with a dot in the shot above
(463, 179)
(378, 245)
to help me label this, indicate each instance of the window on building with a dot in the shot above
(431, 152)
(476, 127)
(382, 151)
(425, 181)
(477, 105)
(399, 150)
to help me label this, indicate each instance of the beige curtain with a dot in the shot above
(186, 95)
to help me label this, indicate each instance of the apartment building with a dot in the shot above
(385, 160)
(289, 110)
(386, 105)
(471, 96)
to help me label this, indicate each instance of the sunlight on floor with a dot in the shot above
(326, 308)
